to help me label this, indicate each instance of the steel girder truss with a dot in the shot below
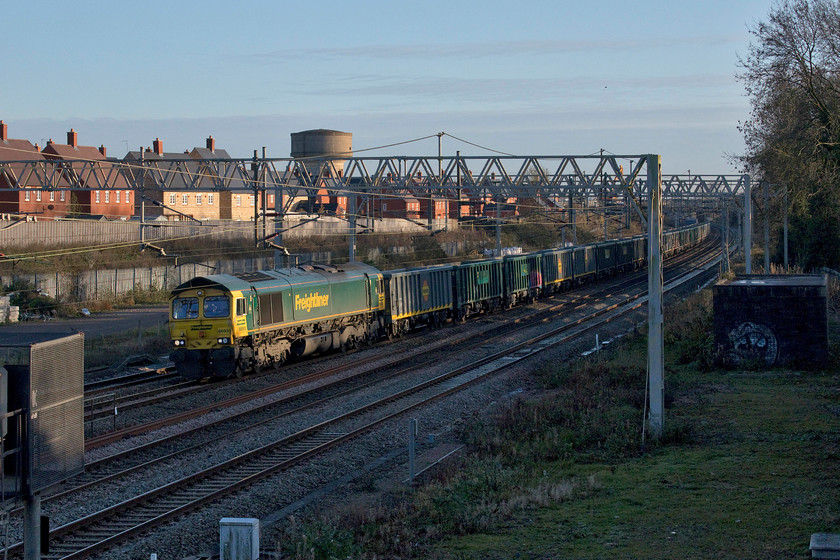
(494, 178)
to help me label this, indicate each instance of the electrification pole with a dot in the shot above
(747, 225)
(656, 346)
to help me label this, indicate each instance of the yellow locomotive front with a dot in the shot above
(201, 329)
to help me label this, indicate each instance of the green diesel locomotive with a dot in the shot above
(230, 324)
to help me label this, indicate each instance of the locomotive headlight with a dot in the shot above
(223, 340)
(180, 342)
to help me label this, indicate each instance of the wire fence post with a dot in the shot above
(412, 435)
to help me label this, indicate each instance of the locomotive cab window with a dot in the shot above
(240, 307)
(185, 308)
(216, 306)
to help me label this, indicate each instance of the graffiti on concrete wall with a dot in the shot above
(752, 342)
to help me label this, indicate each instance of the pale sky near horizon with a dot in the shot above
(527, 78)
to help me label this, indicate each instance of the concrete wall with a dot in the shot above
(92, 285)
(104, 283)
(15, 235)
(772, 320)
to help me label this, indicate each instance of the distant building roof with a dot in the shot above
(13, 150)
(205, 153)
(102, 175)
(325, 131)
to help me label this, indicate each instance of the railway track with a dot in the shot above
(112, 525)
(140, 400)
(139, 457)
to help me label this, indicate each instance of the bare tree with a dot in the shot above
(792, 76)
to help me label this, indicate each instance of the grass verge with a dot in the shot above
(748, 467)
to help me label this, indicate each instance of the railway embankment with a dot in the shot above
(748, 466)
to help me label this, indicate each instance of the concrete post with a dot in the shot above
(786, 230)
(352, 222)
(656, 347)
(32, 527)
(726, 236)
(142, 200)
(278, 224)
(255, 167)
(747, 225)
(766, 228)
(412, 436)
(498, 226)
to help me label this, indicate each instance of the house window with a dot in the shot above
(26, 196)
(107, 197)
(239, 200)
(61, 196)
(117, 197)
(198, 199)
(52, 196)
(172, 198)
(185, 199)
(128, 197)
(37, 196)
(271, 199)
(209, 198)
(97, 197)
(252, 200)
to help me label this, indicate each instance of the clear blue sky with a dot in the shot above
(528, 77)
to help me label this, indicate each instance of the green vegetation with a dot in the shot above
(749, 467)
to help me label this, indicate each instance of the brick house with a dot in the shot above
(41, 204)
(237, 203)
(175, 171)
(107, 192)
(191, 191)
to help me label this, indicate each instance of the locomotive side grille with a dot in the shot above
(253, 276)
(271, 308)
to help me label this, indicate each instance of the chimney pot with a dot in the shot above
(211, 143)
(73, 138)
(158, 146)
(4, 131)
(37, 148)
(103, 150)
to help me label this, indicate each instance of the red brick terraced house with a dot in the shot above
(40, 203)
(106, 192)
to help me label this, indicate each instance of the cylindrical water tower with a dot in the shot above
(322, 143)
